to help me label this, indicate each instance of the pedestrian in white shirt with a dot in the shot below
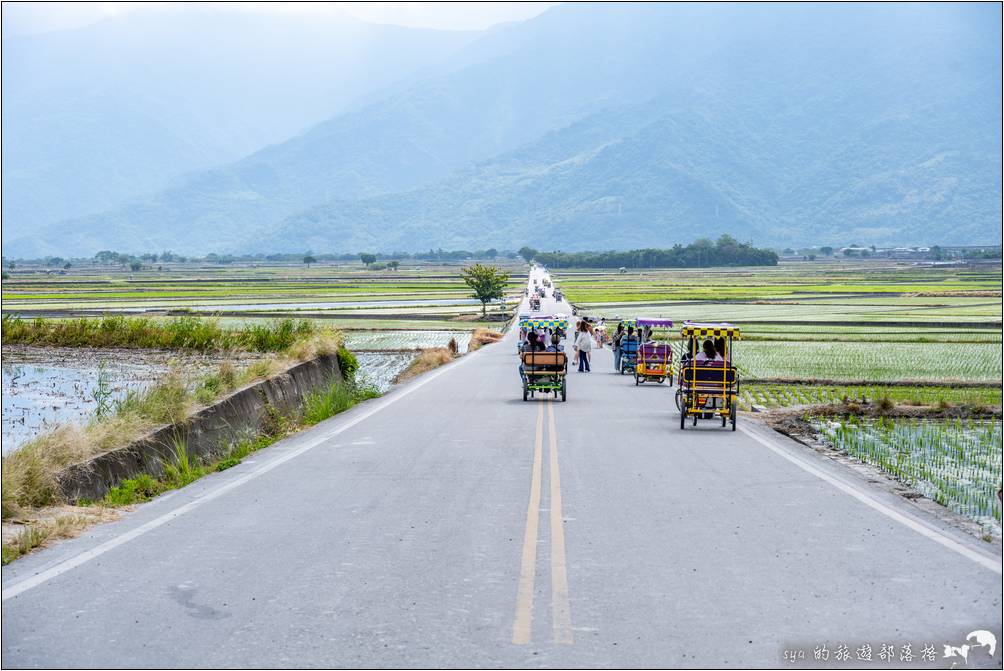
(583, 347)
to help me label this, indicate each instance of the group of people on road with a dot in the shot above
(642, 335)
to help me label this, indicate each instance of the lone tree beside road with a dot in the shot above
(487, 282)
(367, 259)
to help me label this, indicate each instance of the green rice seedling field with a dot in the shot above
(274, 290)
(873, 322)
(956, 463)
(870, 361)
(783, 395)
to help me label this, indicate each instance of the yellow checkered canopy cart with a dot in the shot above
(544, 323)
(708, 380)
(709, 330)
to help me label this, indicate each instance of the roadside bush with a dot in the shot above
(337, 398)
(134, 490)
(183, 469)
(348, 363)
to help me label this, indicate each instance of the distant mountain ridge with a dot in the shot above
(102, 115)
(628, 126)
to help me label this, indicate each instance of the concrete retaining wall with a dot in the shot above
(206, 434)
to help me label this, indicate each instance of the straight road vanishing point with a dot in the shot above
(450, 524)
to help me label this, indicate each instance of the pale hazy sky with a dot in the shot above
(34, 17)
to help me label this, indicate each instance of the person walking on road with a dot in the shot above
(583, 347)
(617, 346)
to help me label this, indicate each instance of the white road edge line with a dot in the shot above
(864, 498)
(19, 587)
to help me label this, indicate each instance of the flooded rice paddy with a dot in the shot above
(47, 386)
(361, 341)
(379, 369)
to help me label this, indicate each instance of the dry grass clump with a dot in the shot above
(483, 336)
(31, 473)
(20, 539)
(320, 343)
(427, 359)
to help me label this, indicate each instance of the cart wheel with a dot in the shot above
(636, 379)
(524, 391)
(695, 420)
(661, 380)
(733, 413)
(724, 419)
(683, 419)
(563, 392)
(679, 397)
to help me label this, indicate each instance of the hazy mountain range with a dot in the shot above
(590, 126)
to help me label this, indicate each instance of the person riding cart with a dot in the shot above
(708, 380)
(654, 360)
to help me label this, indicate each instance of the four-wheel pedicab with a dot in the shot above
(707, 389)
(653, 360)
(629, 347)
(544, 372)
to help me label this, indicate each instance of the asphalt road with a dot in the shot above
(450, 524)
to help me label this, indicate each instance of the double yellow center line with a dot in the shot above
(561, 616)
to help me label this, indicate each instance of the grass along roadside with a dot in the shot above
(30, 473)
(186, 332)
(65, 522)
